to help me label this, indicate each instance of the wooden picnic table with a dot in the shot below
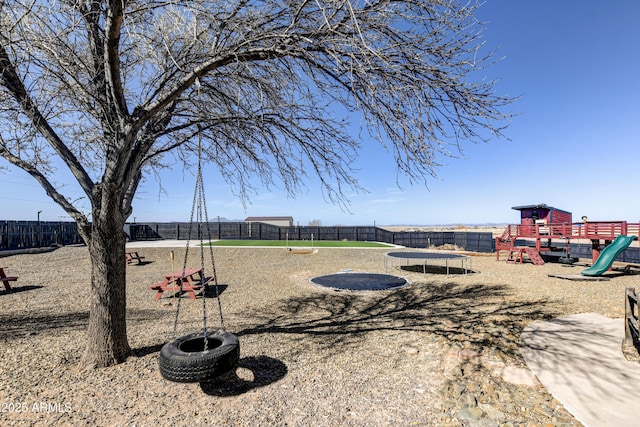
(190, 279)
(6, 279)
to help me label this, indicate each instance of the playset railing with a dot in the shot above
(598, 230)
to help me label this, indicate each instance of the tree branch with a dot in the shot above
(9, 79)
(51, 191)
(113, 28)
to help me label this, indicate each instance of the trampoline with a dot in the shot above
(426, 257)
(359, 281)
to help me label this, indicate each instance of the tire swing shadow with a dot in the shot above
(251, 373)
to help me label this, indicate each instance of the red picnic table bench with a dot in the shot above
(190, 278)
(6, 279)
(133, 256)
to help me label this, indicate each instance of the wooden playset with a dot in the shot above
(547, 232)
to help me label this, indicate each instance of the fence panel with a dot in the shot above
(269, 232)
(347, 233)
(436, 238)
(144, 232)
(460, 239)
(169, 230)
(420, 239)
(31, 234)
(328, 233)
(484, 243)
(384, 236)
(308, 233)
(366, 234)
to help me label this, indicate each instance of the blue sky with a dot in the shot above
(573, 143)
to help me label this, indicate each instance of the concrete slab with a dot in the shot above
(578, 358)
(161, 244)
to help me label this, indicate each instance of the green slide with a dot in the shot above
(608, 255)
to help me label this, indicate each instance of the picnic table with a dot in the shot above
(133, 256)
(190, 279)
(6, 279)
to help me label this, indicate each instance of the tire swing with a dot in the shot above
(200, 356)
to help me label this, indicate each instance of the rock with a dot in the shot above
(519, 376)
(467, 400)
(471, 413)
(410, 350)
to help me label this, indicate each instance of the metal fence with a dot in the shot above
(34, 234)
(470, 241)
(584, 250)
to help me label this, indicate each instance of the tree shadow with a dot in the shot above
(28, 251)
(478, 315)
(146, 350)
(18, 326)
(251, 373)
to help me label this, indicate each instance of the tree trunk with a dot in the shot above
(107, 342)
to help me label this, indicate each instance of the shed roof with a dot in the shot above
(538, 206)
(268, 218)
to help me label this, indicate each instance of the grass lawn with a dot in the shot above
(301, 243)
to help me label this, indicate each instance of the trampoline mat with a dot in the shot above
(359, 281)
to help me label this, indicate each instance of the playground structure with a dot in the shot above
(608, 255)
(547, 233)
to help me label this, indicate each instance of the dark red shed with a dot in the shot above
(542, 214)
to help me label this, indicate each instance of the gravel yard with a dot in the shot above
(442, 351)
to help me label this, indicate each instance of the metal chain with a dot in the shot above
(213, 264)
(200, 186)
(199, 207)
(186, 256)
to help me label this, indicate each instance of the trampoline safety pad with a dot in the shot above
(359, 281)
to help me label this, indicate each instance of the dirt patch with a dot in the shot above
(425, 354)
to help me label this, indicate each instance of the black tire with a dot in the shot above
(184, 360)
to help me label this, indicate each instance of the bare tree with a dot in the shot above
(117, 89)
(315, 223)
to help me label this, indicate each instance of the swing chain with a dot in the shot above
(199, 208)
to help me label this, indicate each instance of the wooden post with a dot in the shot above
(595, 250)
(630, 319)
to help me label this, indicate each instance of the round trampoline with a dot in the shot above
(359, 281)
(433, 257)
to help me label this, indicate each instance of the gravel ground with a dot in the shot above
(442, 351)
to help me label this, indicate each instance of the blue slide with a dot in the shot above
(608, 256)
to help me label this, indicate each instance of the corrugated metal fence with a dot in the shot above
(470, 241)
(34, 234)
